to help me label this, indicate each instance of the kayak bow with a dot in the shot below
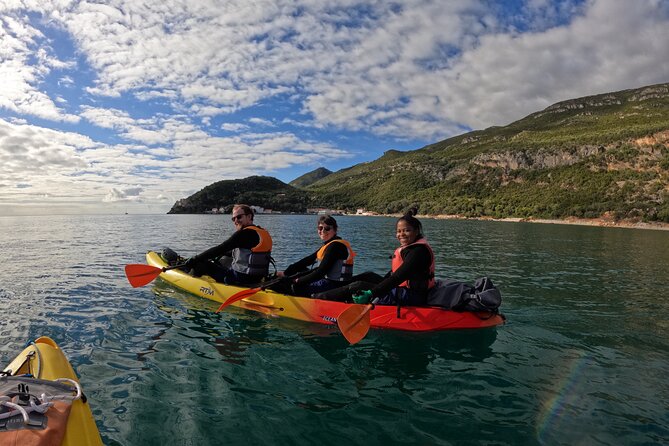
(40, 379)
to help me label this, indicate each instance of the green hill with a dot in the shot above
(266, 192)
(603, 154)
(311, 177)
(589, 157)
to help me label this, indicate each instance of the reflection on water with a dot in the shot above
(407, 355)
(581, 360)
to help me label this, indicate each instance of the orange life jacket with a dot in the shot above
(425, 282)
(342, 268)
(254, 261)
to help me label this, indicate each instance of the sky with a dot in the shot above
(130, 105)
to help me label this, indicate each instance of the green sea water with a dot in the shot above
(582, 359)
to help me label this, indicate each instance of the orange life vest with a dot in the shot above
(254, 261)
(342, 268)
(397, 261)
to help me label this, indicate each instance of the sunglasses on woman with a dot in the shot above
(324, 228)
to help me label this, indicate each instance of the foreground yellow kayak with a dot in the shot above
(41, 402)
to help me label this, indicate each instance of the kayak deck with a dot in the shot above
(324, 311)
(44, 360)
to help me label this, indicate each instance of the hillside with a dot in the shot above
(311, 177)
(604, 155)
(599, 155)
(266, 192)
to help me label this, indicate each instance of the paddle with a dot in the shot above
(139, 274)
(354, 321)
(243, 294)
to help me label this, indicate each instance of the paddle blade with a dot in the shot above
(243, 294)
(354, 322)
(139, 275)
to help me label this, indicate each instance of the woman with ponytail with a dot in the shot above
(410, 277)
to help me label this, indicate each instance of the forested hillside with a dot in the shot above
(605, 154)
(265, 192)
(311, 177)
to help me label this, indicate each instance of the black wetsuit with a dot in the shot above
(207, 262)
(314, 281)
(415, 268)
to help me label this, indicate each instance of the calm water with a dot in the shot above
(582, 360)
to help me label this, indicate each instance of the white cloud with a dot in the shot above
(234, 127)
(499, 76)
(19, 90)
(127, 194)
(400, 68)
(165, 73)
(262, 122)
(74, 168)
(27, 150)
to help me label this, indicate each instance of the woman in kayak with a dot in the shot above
(329, 267)
(242, 259)
(410, 277)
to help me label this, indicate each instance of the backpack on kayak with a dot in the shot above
(170, 257)
(461, 296)
(35, 411)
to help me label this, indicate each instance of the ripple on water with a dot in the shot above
(581, 360)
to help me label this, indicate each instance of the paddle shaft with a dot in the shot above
(250, 292)
(368, 308)
(167, 268)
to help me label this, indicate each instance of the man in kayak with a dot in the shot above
(331, 266)
(242, 259)
(410, 278)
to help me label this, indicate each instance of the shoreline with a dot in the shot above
(599, 222)
(603, 222)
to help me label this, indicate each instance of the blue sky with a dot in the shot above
(130, 105)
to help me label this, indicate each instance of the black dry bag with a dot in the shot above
(461, 296)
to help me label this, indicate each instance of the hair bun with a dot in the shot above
(411, 212)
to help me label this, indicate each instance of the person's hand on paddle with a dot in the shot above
(362, 297)
(190, 262)
(293, 281)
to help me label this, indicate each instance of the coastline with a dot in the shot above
(601, 222)
(605, 222)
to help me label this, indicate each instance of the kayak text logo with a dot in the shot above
(329, 319)
(205, 290)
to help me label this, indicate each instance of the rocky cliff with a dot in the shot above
(605, 154)
(599, 155)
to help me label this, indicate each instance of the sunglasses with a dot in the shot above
(238, 217)
(324, 228)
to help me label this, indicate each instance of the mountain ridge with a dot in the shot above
(598, 155)
(578, 158)
(310, 177)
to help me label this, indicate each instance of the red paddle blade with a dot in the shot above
(139, 275)
(354, 322)
(243, 294)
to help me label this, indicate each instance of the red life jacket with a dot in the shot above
(342, 269)
(425, 282)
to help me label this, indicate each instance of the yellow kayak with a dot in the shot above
(323, 311)
(51, 410)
